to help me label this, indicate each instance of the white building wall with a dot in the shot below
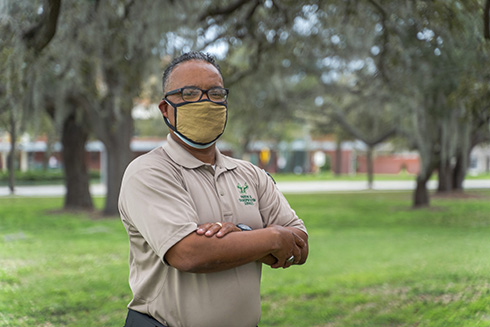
(480, 160)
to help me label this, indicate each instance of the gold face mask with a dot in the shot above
(199, 124)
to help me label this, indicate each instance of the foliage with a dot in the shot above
(375, 68)
(41, 177)
(373, 262)
(386, 67)
(371, 67)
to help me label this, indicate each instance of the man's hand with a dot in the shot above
(219, 229)
(273, 245)
(268, 260)
(290, 244)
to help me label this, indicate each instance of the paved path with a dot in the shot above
(285, 187)
(47, 190)
(329, 186)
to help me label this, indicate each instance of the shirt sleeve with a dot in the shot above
(273, 206)
(155, 203)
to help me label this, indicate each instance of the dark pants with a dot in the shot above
(137, 319)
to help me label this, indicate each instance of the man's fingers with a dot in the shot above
(213, 229)
(203, 228)
(226, 229)
(297, 255)
(299, 241)
(286, 261)
(282, 264)
(218, 228)
(278, 264)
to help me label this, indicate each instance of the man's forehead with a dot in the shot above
(194, 71)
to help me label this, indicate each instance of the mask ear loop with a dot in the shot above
(165, 119)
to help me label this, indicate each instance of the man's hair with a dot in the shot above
(193, 55)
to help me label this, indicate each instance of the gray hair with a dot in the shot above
(193, 55)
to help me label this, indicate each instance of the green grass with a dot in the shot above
(60, 269)
(56, 176)
(329, 176)
(373, 262)
(376, 262)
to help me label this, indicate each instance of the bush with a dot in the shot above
(41, 176)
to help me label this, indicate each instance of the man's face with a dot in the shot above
(195, 73)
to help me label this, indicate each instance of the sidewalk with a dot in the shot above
(48, 190)
(333, 186)
(285, 187)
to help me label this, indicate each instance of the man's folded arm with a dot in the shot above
(198, 254)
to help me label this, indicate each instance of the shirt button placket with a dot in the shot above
(216, 185)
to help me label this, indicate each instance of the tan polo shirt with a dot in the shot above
(165, 195)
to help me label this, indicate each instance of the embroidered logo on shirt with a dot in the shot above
(243, 189)
(246, 199)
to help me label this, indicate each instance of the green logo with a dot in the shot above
(246, 199)
(243, 189)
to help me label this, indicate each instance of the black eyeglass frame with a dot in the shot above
(179, 90)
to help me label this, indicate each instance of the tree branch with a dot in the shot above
(385, 39)
(383, 137)
(38, 36)
(257, 57)
(221, 11)
(239, 24)
(250, 13)
(127, 8)
(281, 9)
(486, 20)
(340, 118)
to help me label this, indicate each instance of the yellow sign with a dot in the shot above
(265, 156)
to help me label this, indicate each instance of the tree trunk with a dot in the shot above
(77, 180)
(338, 157)
(421, 194)
(11, 155)
(11, 169)
(117, 145)
(445, 177)
(370, 167)
(459, 174)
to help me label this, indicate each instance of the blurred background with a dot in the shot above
(324, 94)
(337, 87)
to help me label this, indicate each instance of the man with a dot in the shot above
(201, 224)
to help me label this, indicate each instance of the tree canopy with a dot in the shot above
(414, 69)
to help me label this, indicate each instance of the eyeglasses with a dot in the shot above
(194, 94)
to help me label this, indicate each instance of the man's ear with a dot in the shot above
(163, 106)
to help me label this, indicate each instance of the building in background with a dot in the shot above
(299, 156)
(479, 160)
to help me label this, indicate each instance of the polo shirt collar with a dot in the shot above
(182, 157)
(224, 161)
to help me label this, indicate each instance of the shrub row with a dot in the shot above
(51, 175)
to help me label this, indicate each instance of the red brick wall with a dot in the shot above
(390, 164)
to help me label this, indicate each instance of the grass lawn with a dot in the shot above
(373, 262)
(329, 176)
